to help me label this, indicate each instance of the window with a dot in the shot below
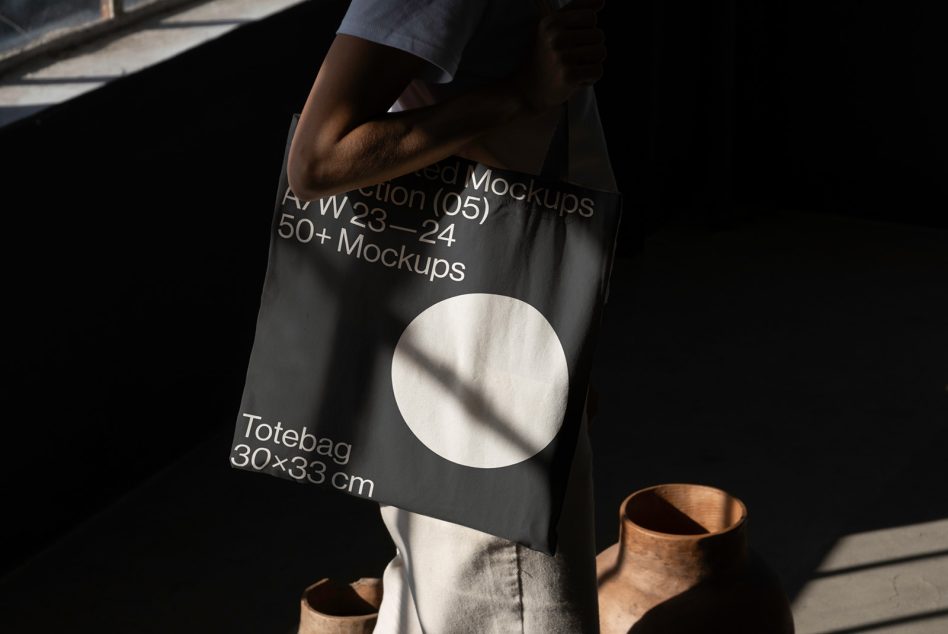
(28, 27)
(22, 21)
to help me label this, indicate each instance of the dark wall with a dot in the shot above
(136, 227)
(717, 108)
(137, 216)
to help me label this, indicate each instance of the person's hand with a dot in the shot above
(567, 53)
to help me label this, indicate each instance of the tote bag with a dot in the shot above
(426, 342)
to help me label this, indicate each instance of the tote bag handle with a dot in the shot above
(556, 163)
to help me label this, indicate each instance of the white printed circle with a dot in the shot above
(481, 379)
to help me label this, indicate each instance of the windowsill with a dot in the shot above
(53, 79)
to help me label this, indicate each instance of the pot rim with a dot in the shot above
(737, 525)
(347, 617)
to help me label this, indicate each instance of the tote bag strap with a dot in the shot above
(556, 164)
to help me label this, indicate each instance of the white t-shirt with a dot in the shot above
(468, 42)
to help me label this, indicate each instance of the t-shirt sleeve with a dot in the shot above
(435, 30)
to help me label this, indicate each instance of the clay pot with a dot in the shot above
(682, 565)
(333, 607)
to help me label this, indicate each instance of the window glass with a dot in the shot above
(131, 5)
(25, 20)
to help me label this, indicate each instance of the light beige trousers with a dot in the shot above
(450, 579)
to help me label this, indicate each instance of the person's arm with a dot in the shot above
(346, 138)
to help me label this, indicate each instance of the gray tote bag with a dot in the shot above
(427, 342)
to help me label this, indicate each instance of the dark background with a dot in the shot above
(137, 215)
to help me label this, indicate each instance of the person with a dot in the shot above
(404, 84)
